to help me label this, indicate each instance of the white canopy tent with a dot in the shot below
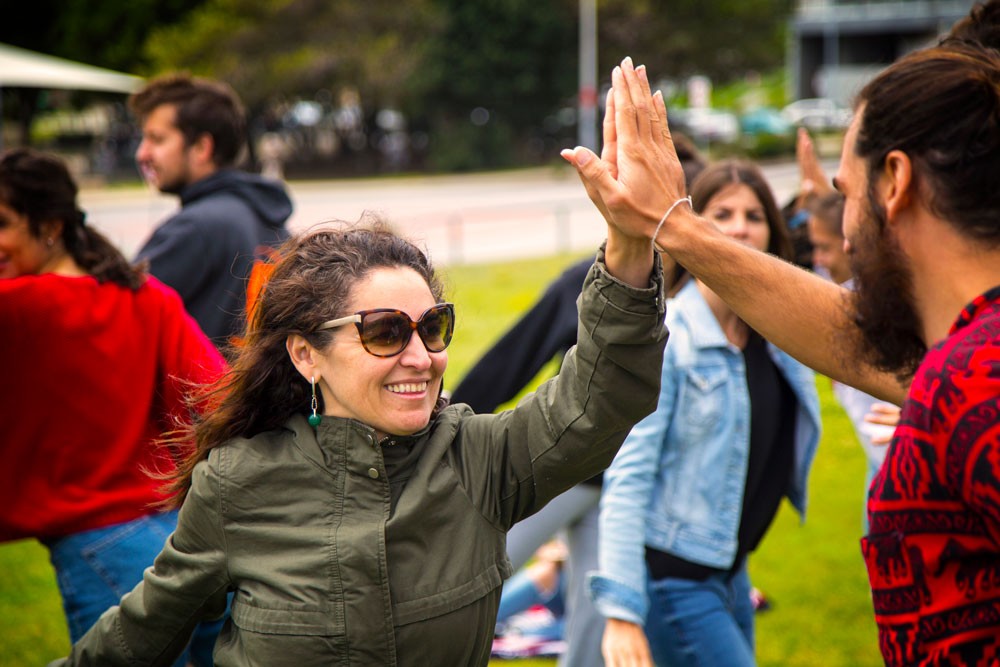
(27, 69)
(20, 68)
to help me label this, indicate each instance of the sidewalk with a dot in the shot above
(460, 219)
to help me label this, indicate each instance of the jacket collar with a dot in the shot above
(692, 309)
(332, 428)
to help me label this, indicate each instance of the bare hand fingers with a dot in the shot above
(609, 151)
(809, 166)
(656, 121)
(625, 120)
(665, 140)
(639, 97)
(802, 144)
(594, 174)
(880, 423)
(883, 413)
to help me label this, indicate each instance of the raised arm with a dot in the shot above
(812, 179)
(634, 117)
(802, 313)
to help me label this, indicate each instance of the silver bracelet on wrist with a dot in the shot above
(666, 215)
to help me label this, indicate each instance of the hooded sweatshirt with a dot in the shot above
(206, 250)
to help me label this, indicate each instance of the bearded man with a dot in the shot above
(919, 175)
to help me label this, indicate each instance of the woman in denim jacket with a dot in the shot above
(697, 483)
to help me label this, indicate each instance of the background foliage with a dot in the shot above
(435, 60)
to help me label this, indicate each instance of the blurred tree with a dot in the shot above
(493, 74)
(722, 39)
(484, 78)
(437, 60)
(105, 33)
(276, 51)
(268, 49)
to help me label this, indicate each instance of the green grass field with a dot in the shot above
(812, 572)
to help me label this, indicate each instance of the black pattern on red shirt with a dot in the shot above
(933, 551)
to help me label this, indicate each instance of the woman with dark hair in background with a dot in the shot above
(98, 356)
(696, 484)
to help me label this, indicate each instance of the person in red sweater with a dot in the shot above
(98, 357)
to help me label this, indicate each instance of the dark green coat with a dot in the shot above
(346, 551)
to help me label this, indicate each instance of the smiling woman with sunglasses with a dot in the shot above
(355, 516)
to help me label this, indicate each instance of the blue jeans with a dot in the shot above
(520, 594)
(702, 623)
(95, 568)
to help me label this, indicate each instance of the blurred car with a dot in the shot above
(766, 121)
(817, 114)
(706, 126)
(766, 132)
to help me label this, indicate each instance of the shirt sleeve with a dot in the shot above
(187, 583)
(619, 586)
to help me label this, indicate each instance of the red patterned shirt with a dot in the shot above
(933, 551)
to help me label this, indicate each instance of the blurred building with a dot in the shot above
(838, 45)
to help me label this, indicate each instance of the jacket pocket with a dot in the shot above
(702, 402)
(286, 621)
(419, 609)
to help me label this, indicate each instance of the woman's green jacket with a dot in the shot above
(342, 550)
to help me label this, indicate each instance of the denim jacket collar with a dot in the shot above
(701, 323)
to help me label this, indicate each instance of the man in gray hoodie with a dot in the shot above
(193, 135)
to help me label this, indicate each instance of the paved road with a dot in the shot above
(459, 219)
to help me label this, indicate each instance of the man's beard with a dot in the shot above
(884, 308)
(172, 187)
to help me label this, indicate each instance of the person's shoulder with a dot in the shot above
(48, 307)
(245, 457)
(579, 269)
(958, 372)
(183, 223)
(210, 225)
(453, 413)
(156, 293)
(449, 421)
(237, 188)
(25, 287)
(47, 293)
(978, 337)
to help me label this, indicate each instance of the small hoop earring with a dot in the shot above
(314, 419)
(50, 242)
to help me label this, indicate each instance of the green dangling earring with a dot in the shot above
(314, 419)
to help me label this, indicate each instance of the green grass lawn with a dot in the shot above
(812, 572)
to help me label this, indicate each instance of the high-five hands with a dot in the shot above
(638, 176)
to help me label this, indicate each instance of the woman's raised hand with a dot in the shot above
(638, 176)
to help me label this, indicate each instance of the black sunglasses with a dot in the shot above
(385, 332)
